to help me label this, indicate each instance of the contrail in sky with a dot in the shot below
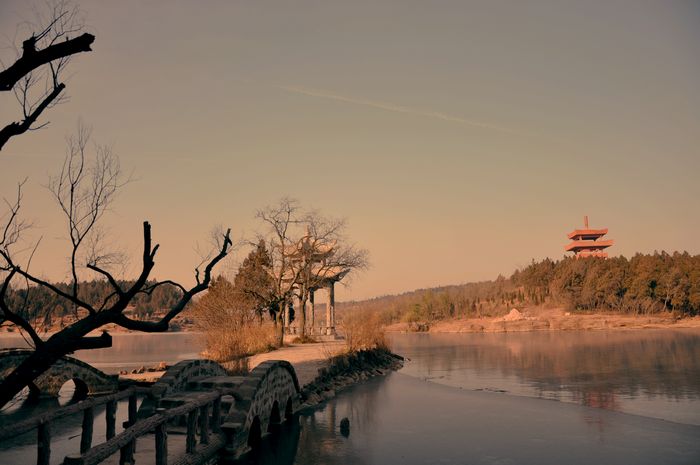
(395, 108)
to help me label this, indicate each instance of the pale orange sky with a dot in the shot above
(459, 139)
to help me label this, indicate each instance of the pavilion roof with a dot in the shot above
(587, 232)
(583, 245)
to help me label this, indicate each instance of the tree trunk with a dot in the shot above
(25, 373)
(62, 343)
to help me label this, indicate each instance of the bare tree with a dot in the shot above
(323, 255)
(281, 221)
(36, 76)
(84, 190)
(306, 249)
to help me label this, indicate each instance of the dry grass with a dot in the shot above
(305, 339)
(229, 343)
(330, 351)
(363, 330)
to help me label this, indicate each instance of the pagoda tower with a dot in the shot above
(587, 242)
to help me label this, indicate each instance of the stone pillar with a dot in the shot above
(286, 317)
(330, 310)
(300, 316)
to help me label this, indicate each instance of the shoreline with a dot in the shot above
(321, 368)
(547, 319)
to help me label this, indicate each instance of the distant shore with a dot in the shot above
(548, 319)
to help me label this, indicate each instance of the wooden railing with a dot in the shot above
(198, 421)
(42, 422)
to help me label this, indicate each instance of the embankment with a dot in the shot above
(549, 319)
(346, 370)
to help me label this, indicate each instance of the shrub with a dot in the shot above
(363, 330)
(231, 329)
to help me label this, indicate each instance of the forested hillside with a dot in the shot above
(46, 308)
(643, 284)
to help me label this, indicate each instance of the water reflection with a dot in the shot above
(654, 373)
(65, 431)
(315, 436)
(279, 448)
(132, 350)
(401, 419)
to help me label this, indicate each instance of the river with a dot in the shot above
(540, 397)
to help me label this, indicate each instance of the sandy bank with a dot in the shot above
(306, 359)
(552, 319)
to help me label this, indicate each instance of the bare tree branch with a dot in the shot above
(13, 317)
(44, 57)
(32, 58)
(162, 324)
(15, 129)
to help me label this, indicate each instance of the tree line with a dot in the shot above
(643, 284)
(45, 308)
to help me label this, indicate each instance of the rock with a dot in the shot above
(139, 370)
(123, 372)
(514, 315)
(162, 366)
(345, 427)
(327, 395)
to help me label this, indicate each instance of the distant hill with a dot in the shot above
(644, 284)
(48, 309)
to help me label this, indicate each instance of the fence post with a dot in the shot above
(86, 435)
(191, 441)
(230, 430)
(132, 409)
(126, 454)
(43, 454)
(161, 441)
(110, 418)
(204, 424)
(216, 415)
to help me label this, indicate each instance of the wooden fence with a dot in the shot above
(202, 413)
(42, 422)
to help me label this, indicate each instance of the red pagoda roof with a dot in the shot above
(576, 246)
(586, 242)
(577, 234)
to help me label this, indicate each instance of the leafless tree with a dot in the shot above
(306, 248)
(84, 190)
(36, 77)
(281, 221)
(324, 254)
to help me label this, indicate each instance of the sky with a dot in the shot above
(460, 139)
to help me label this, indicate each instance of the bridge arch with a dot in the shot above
(176, 379)
(49, 383)
(260, 400)
(80, 393)
(271, 384)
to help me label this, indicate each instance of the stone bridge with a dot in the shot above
(237, 410)
(88, 379)
(255, 404)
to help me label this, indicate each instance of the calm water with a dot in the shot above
(132, 350)
(530, 398)
(559, 397)
(129, 351)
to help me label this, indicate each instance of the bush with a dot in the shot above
(363, 330)
(231, 329)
